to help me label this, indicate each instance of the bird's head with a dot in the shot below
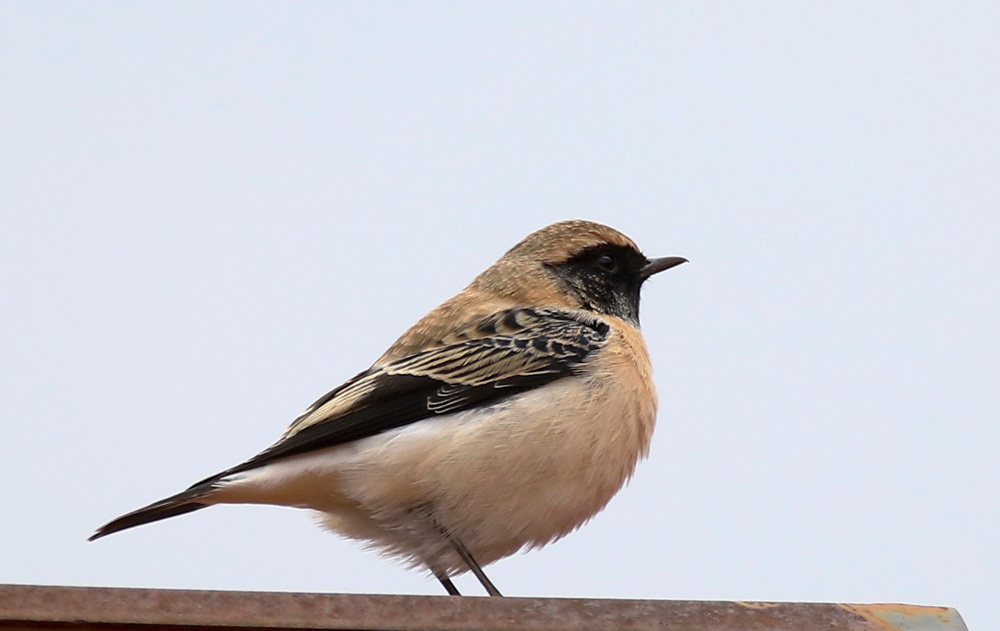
(578, 265)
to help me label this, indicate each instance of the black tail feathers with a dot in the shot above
(175, 505)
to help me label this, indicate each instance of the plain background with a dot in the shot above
(213, 213)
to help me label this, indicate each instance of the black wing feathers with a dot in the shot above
(510, 352)
(536, 347)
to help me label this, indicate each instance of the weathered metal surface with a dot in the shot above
(37, 608)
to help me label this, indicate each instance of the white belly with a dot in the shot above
(523, 472)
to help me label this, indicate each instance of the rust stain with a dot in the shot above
(892, 617)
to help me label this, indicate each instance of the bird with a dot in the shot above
(501, 421)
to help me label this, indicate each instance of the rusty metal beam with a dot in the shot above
(38, 608)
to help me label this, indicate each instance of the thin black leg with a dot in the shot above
(471, 562)
(446, 582)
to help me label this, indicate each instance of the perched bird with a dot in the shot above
(504, 419)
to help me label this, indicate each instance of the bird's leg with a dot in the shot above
(446, 582)
(471, 562)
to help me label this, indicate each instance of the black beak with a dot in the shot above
(655, 266)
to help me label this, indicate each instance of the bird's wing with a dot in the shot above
(518, 350)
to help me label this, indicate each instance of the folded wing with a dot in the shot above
(511, 352)
(546, 345)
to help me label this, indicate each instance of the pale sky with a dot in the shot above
(214, 213)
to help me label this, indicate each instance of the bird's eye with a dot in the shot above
(607, 263)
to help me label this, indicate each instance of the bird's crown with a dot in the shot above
(523, 273)
(561, 241)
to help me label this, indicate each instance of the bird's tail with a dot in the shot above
(183, 502)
